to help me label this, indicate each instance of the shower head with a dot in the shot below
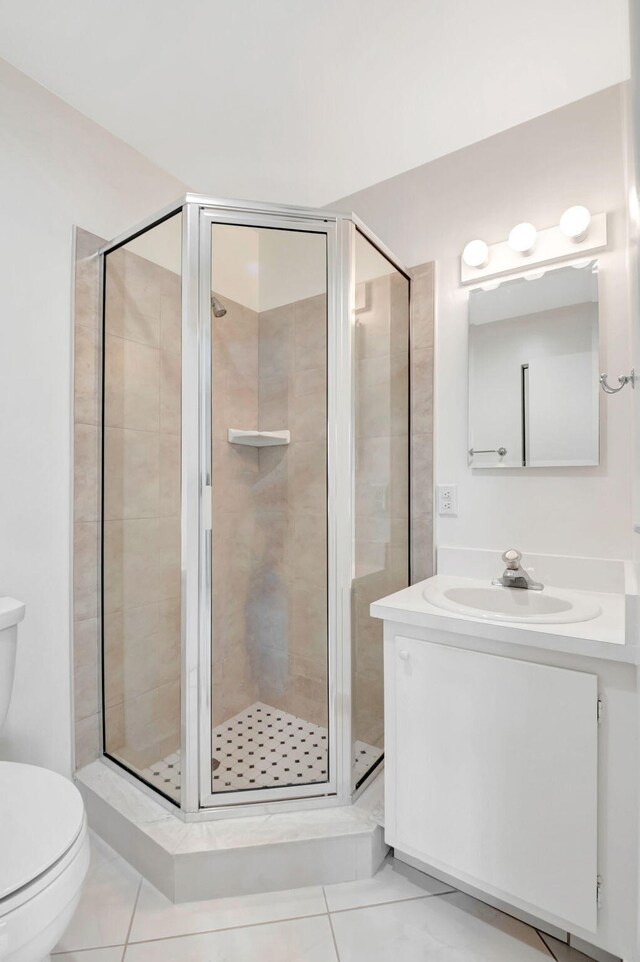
(218, 309)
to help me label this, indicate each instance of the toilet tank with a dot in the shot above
(11, 614)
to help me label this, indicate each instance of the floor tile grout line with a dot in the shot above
(377, 905)
(547, 947)
(327, 912)
(333, 934)
(252, 925)
(416, 898)
(292, 918)
(227, 928)
(133, 915)
(91, 948)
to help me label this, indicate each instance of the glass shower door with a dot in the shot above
(266, 731)
(141, 507)
(381, 483)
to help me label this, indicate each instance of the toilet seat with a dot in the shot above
(42, 826)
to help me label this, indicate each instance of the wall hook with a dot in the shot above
(623, 379)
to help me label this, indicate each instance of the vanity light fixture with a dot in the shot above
(476, 254)
(580, 265)
(574, 223)
(523, 238)
(528, 250)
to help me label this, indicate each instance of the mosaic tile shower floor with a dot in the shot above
(262, 747)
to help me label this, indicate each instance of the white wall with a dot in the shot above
(56, 169)
(302, 101)
(532, 172)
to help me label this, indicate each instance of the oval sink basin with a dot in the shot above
(494, 603)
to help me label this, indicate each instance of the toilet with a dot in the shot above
(44, 843)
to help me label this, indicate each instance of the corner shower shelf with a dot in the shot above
(258, 439)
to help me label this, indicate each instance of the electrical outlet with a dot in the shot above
(448, 499)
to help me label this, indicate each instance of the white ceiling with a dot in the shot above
(306, 101)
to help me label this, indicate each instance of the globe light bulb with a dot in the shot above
(574, 223)
(476, 254)
(522, 238)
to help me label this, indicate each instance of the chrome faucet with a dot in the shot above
(515, 575)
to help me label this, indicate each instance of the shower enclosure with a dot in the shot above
(255, 477)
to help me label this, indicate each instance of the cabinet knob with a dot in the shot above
(403, 655)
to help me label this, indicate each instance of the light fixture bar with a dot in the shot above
(551, 245)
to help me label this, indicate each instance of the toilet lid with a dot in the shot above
(41, 815)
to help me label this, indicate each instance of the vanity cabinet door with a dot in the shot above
(491, 774)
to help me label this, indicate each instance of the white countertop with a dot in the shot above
(601, 637)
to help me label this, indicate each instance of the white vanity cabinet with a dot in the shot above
(492, 774)
(512, 743)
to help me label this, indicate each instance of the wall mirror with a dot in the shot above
(533, 370)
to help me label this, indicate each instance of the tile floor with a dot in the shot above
(262, 747)
(399, 916)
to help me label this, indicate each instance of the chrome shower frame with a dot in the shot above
(199, 213)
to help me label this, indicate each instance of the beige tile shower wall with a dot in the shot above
(270, 547)
(382, 448)
(381, 482)
(236, 538)
(86, 429)
(142, 508)
(290, 631)
(287, 636)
